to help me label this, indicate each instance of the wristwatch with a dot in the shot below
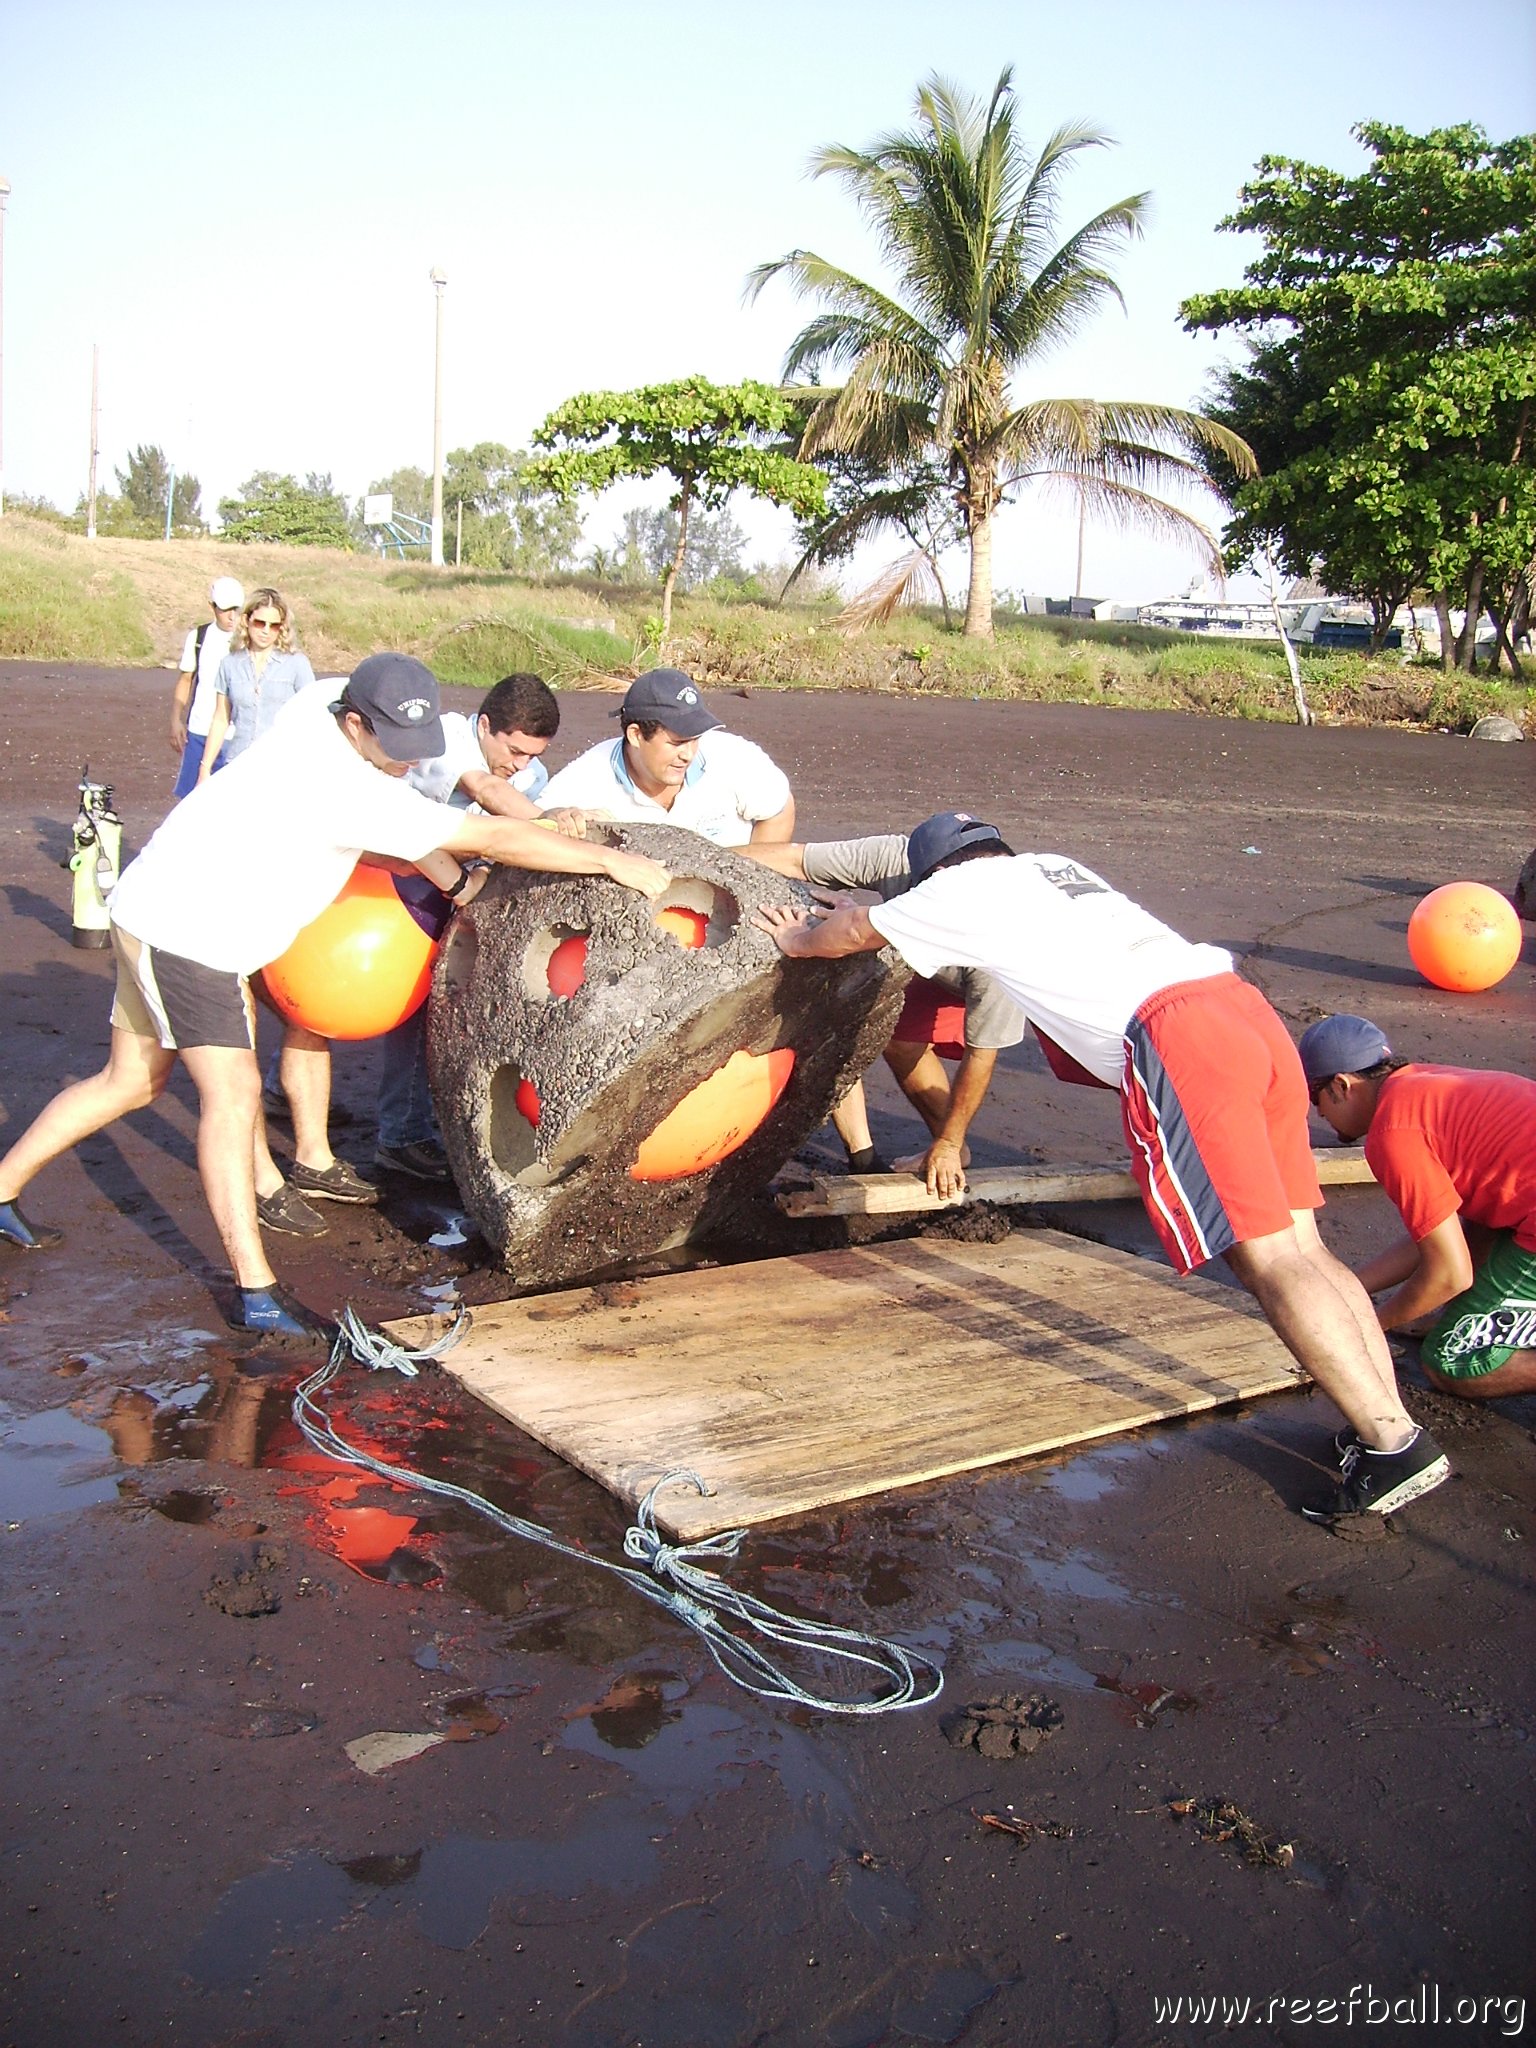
(459, 886)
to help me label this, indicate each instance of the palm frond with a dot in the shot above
(910, 581)
(1132, 510)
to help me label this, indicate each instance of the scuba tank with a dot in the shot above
(94, 860)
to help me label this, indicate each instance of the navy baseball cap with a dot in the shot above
(943, 834)
(1341, 1045)
(672, 699)
(399, 697)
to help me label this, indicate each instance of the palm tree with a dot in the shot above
(967, 222)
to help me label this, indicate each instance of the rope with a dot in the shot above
(732, 1625)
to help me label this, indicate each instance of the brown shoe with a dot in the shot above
(285, 1210)
(337, 1182)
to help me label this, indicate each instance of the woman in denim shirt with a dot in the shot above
(261, 671)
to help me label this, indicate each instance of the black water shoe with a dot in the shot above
(1380, 1482)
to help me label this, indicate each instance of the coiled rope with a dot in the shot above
(674, 1576)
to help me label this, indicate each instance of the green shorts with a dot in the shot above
(1482, 1329)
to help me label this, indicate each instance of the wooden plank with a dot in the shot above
(903, 1194)
(793, 1383)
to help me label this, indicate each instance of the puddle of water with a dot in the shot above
(700, 1750)
(51, 1464)
(1090, 1474)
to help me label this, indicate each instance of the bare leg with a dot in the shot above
(306, 1078)
(228, 1083)
(136, 1071)
(850, 1119)
(1309, 1299)
(1517, 1375)
(920, 1073)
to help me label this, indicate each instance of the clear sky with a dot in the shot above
(241, 205)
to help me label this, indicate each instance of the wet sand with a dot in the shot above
(614, 1846)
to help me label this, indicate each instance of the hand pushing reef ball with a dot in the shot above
(361, 967)
(1464, 936)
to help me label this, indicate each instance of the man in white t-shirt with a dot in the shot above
(1213, 1100)
(223, 887)
(193, 698)
(675, 764)
(490, 763)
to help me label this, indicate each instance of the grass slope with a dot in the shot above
(130, 602)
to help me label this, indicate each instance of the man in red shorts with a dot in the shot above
(959, 1013)
(1456, 1151)
(1212, 1097)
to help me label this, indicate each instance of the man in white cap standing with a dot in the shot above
(193, 698)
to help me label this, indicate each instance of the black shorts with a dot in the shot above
(179, 1003)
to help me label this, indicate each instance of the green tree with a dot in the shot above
(312, 514)
(1390, 327)
(966, 219)
(510, 520)
(711, 439)
(143, 488)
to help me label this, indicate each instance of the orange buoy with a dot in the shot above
(686, 926)
(527, 1100)
(361, 967)
(1464, 936)
(715, 1119)
(567, 968)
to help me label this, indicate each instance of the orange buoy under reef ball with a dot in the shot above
(1464, 936)
(361, 967)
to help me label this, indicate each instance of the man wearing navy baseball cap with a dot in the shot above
(1455, 1148)
(225, 886)
(1213, 1102)
(675, 764)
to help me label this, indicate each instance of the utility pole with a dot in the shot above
(458, 534)
(90, 494)
(1081, 521)
(170, 501)
(439, 282)
(5, 193)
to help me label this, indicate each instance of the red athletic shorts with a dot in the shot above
(932, 1016)
(1214, 1106)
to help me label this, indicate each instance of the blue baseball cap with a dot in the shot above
(671, 699)
(1341, 1045)
(399, 697)
(943, 834)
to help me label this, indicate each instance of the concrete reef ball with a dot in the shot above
(361, 967)
(614, 1076)
(1464, 937)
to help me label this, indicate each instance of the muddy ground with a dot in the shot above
(615, 1846)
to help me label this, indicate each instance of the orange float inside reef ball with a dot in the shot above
(361, 967)
(1464, 936)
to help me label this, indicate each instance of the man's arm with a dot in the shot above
(942, 1168)
(1441, 1268)
(803, 937)
(785, 857)
(493, 794)
(516, 844)
(777, 830)
(181, 706)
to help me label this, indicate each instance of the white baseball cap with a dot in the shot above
(225, 594)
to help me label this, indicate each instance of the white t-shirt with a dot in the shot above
(1077, 957)
(731, 785)
(248, 859)
(462, 755)
(205, 660)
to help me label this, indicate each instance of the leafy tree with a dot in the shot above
(143, 489)
(280, 509)
(1390, 327)
(509, 521)
(966, 219)
(711, 439)
(713, 548)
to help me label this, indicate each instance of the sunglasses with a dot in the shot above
(1319, 1089)
(272, 625)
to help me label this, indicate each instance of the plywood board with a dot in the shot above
(903, 1194)
(794, 1383)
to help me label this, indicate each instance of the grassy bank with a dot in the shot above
(130, 602)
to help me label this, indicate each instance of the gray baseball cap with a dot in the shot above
(399, 697)
(1341, 1045)
(672, 699)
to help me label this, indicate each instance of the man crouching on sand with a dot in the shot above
(224, 887)
(1212, 1100)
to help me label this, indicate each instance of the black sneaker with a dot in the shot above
(423, 1159)
(27, 1237)
(869, 1161)
(286, 1211)
(1381, 1482)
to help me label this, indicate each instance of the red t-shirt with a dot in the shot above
(1445, 1140)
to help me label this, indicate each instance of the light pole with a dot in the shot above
(439, 282)
(5, 193)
